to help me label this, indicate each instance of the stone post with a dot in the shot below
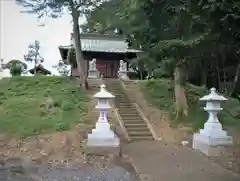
(212, 137)
(102, 136)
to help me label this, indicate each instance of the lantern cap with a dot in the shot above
(213, 96)
(103, 93)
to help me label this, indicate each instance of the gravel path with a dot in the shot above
(86, 173)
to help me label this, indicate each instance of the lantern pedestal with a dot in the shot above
(123, 75)
(102, 139)
(92, 74)
(210, 146)
(212, 138)
(102, 135)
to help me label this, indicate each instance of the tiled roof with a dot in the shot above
(103, 43)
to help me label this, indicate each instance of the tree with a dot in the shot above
(16, 67)
(62, 68)
(105, 18)
(54, 9)
(33, 55)
(186, 40)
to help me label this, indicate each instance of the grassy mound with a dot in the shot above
(160, 93)
(32, 105)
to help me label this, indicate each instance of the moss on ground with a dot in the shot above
(160, 93)
(32, 105)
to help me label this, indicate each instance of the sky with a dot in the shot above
(18, 30)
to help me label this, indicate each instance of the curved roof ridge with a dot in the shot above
(100, 36)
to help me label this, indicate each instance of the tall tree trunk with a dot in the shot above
(180, 95)
(203, 74)
(35, 67)
(81, 63)
(236, 78)
(203, 77)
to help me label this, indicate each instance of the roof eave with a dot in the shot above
(127, 51)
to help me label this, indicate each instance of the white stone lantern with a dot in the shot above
(102, 135)
(209, 139)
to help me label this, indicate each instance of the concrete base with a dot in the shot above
(123, 76)
(103, 142)
(92, 74)
(210, 146)
(101, 146)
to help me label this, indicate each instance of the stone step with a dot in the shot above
(127, 121)
(121, 97)
(126, 107)
(131, 119)
(128, 102)
(137, 138)
(123, 100)
(137, 129)
(139, 133)
(130, 114)
(135, 124)
(125, 104)
(115, 88)
(129, 110)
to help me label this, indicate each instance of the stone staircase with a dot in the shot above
(136, 127)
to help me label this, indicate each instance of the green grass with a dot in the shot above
(32, 105)
(160, 93)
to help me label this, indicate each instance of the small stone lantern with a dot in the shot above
(209, 139)
(102, 135)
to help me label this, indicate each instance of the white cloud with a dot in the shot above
(18, 30)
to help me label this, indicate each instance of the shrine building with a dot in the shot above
(106, 55)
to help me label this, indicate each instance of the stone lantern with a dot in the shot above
(102, 135)
(210, 139)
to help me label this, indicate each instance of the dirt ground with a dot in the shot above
(54, 148)
(160, 123)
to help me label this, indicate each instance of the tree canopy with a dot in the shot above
(191, 33)
(16, 67)
(33, 55)
(190, 40)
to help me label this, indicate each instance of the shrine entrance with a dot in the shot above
(108, 68)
